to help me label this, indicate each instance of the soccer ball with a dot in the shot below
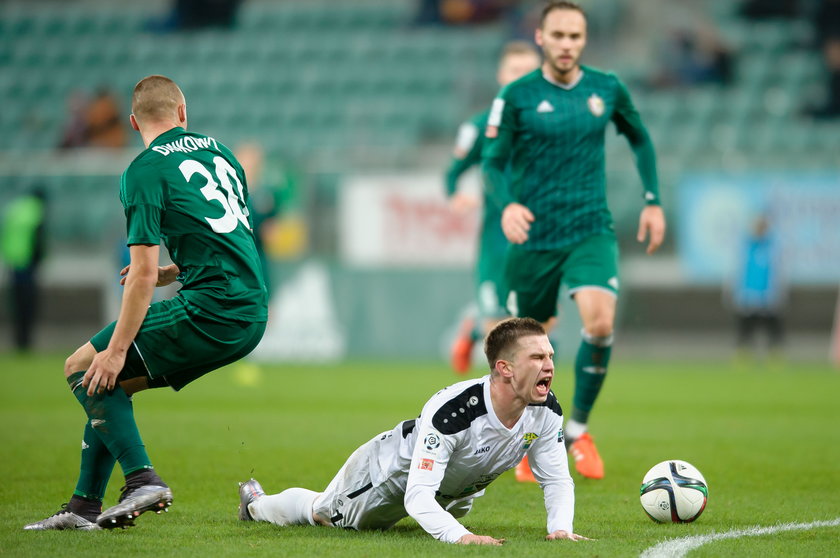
(674, 491)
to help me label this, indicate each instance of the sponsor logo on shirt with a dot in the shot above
(560, 436)
(545, 106)
(426, 464)
(481, 450)
(529, 438)
(595, 104)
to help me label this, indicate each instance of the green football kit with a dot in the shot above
(552, 136)
(190, 191)
(490, 287)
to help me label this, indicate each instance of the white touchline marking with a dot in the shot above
(677, 548)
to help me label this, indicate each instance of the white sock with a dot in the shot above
(293, 506)
(575, 429)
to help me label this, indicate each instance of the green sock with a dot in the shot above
(590, 370)
(111, 416)
(97, 465)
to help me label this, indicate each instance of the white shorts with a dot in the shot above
(352, 501)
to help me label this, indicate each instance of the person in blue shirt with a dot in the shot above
(759, 291)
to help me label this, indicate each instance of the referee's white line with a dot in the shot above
(677, 548)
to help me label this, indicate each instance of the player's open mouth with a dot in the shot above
(544, 385)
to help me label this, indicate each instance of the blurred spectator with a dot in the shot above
(197, 14)
(760, 9)
(827, 31)
(74, 134)
(97, 122)
(22, 249)
(263, 204)
(694, 57)
(457, 12)
(759, 290)
(105, 123)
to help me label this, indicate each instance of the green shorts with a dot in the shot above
(176, 346)
(535, 276)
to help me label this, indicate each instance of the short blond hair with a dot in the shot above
(156, 98)
(518, 47)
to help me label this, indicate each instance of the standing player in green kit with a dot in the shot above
(518, 58)
(190, 191)
(551, 125)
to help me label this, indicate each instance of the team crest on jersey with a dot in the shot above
(529, 438)
(426, 464)
(595, 104)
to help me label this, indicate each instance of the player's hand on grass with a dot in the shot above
(103, 371)
(166, 275)
(516, 222)
(652, 222)
(480, 539)
(560, 534)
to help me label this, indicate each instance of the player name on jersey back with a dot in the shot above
(186, 144)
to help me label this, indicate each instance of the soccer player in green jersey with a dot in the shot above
(190, 191)
(551, 125)
(518, 58)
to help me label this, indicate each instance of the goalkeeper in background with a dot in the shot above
(518, 58)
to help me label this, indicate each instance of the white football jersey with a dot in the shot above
(457, 446)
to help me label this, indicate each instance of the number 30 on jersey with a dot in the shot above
(232, 198)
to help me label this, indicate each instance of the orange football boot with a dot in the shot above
(463, 347)
(523, 471)
(587, 460)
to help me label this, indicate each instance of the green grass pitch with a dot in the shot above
(767, 441)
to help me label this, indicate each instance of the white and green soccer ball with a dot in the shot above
(674, 492)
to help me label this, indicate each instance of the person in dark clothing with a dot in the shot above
(22, 250)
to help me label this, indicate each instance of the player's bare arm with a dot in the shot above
(560, 534)
(462, 202)
(652, 225)
(516, 222)
(480, 539)
(139, 286)
(167, 275)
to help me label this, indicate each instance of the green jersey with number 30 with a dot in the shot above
(190, 191)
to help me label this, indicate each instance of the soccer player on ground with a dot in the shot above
(432, 468)
(189, 190)
(550, 126)
(518, 58)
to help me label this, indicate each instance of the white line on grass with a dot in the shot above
(677, 548)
